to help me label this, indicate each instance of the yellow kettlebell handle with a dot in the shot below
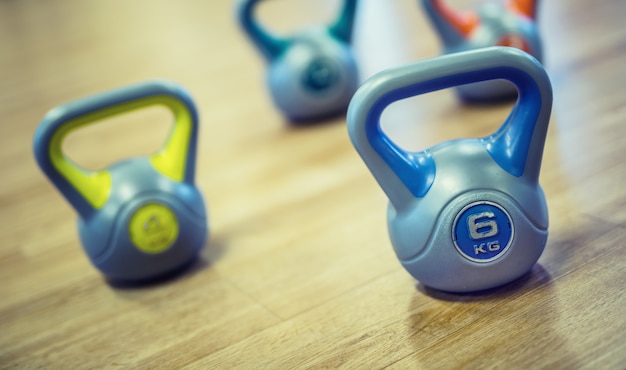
(89, 190)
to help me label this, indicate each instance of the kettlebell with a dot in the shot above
(492, 24)
(142, 218)
(312, 74)
(467, 214)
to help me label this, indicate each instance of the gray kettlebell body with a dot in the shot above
(312, 74)
(108, 240)
(467, 175)
(315, 77)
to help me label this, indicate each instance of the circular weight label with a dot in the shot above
(153, 228)
(482, 231)
(320, 75)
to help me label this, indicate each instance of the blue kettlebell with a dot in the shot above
(312, 74)
(468, 214)
(142, 218)
(493, 24)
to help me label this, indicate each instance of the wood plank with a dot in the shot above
(299, 271)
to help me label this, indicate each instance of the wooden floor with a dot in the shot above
(299, 271)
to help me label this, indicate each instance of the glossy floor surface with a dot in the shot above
(299, 271)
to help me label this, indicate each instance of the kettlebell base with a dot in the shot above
(511, 285)
(303, 121)
(165, 276)
(475, 290)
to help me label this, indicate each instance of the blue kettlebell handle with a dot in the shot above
(517, 146)
(272, 46)
(87, 191)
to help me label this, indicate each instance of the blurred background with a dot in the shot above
(299, 270)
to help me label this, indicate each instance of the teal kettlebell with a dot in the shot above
(467, 214)
(312, 74)
(142, 218)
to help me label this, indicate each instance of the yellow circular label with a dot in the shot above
(153, 228)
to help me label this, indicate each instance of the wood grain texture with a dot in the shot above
(299, 271)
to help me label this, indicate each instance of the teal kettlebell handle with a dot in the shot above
(517, 146)
(343, 26)
(272, 46)
(88, 191)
